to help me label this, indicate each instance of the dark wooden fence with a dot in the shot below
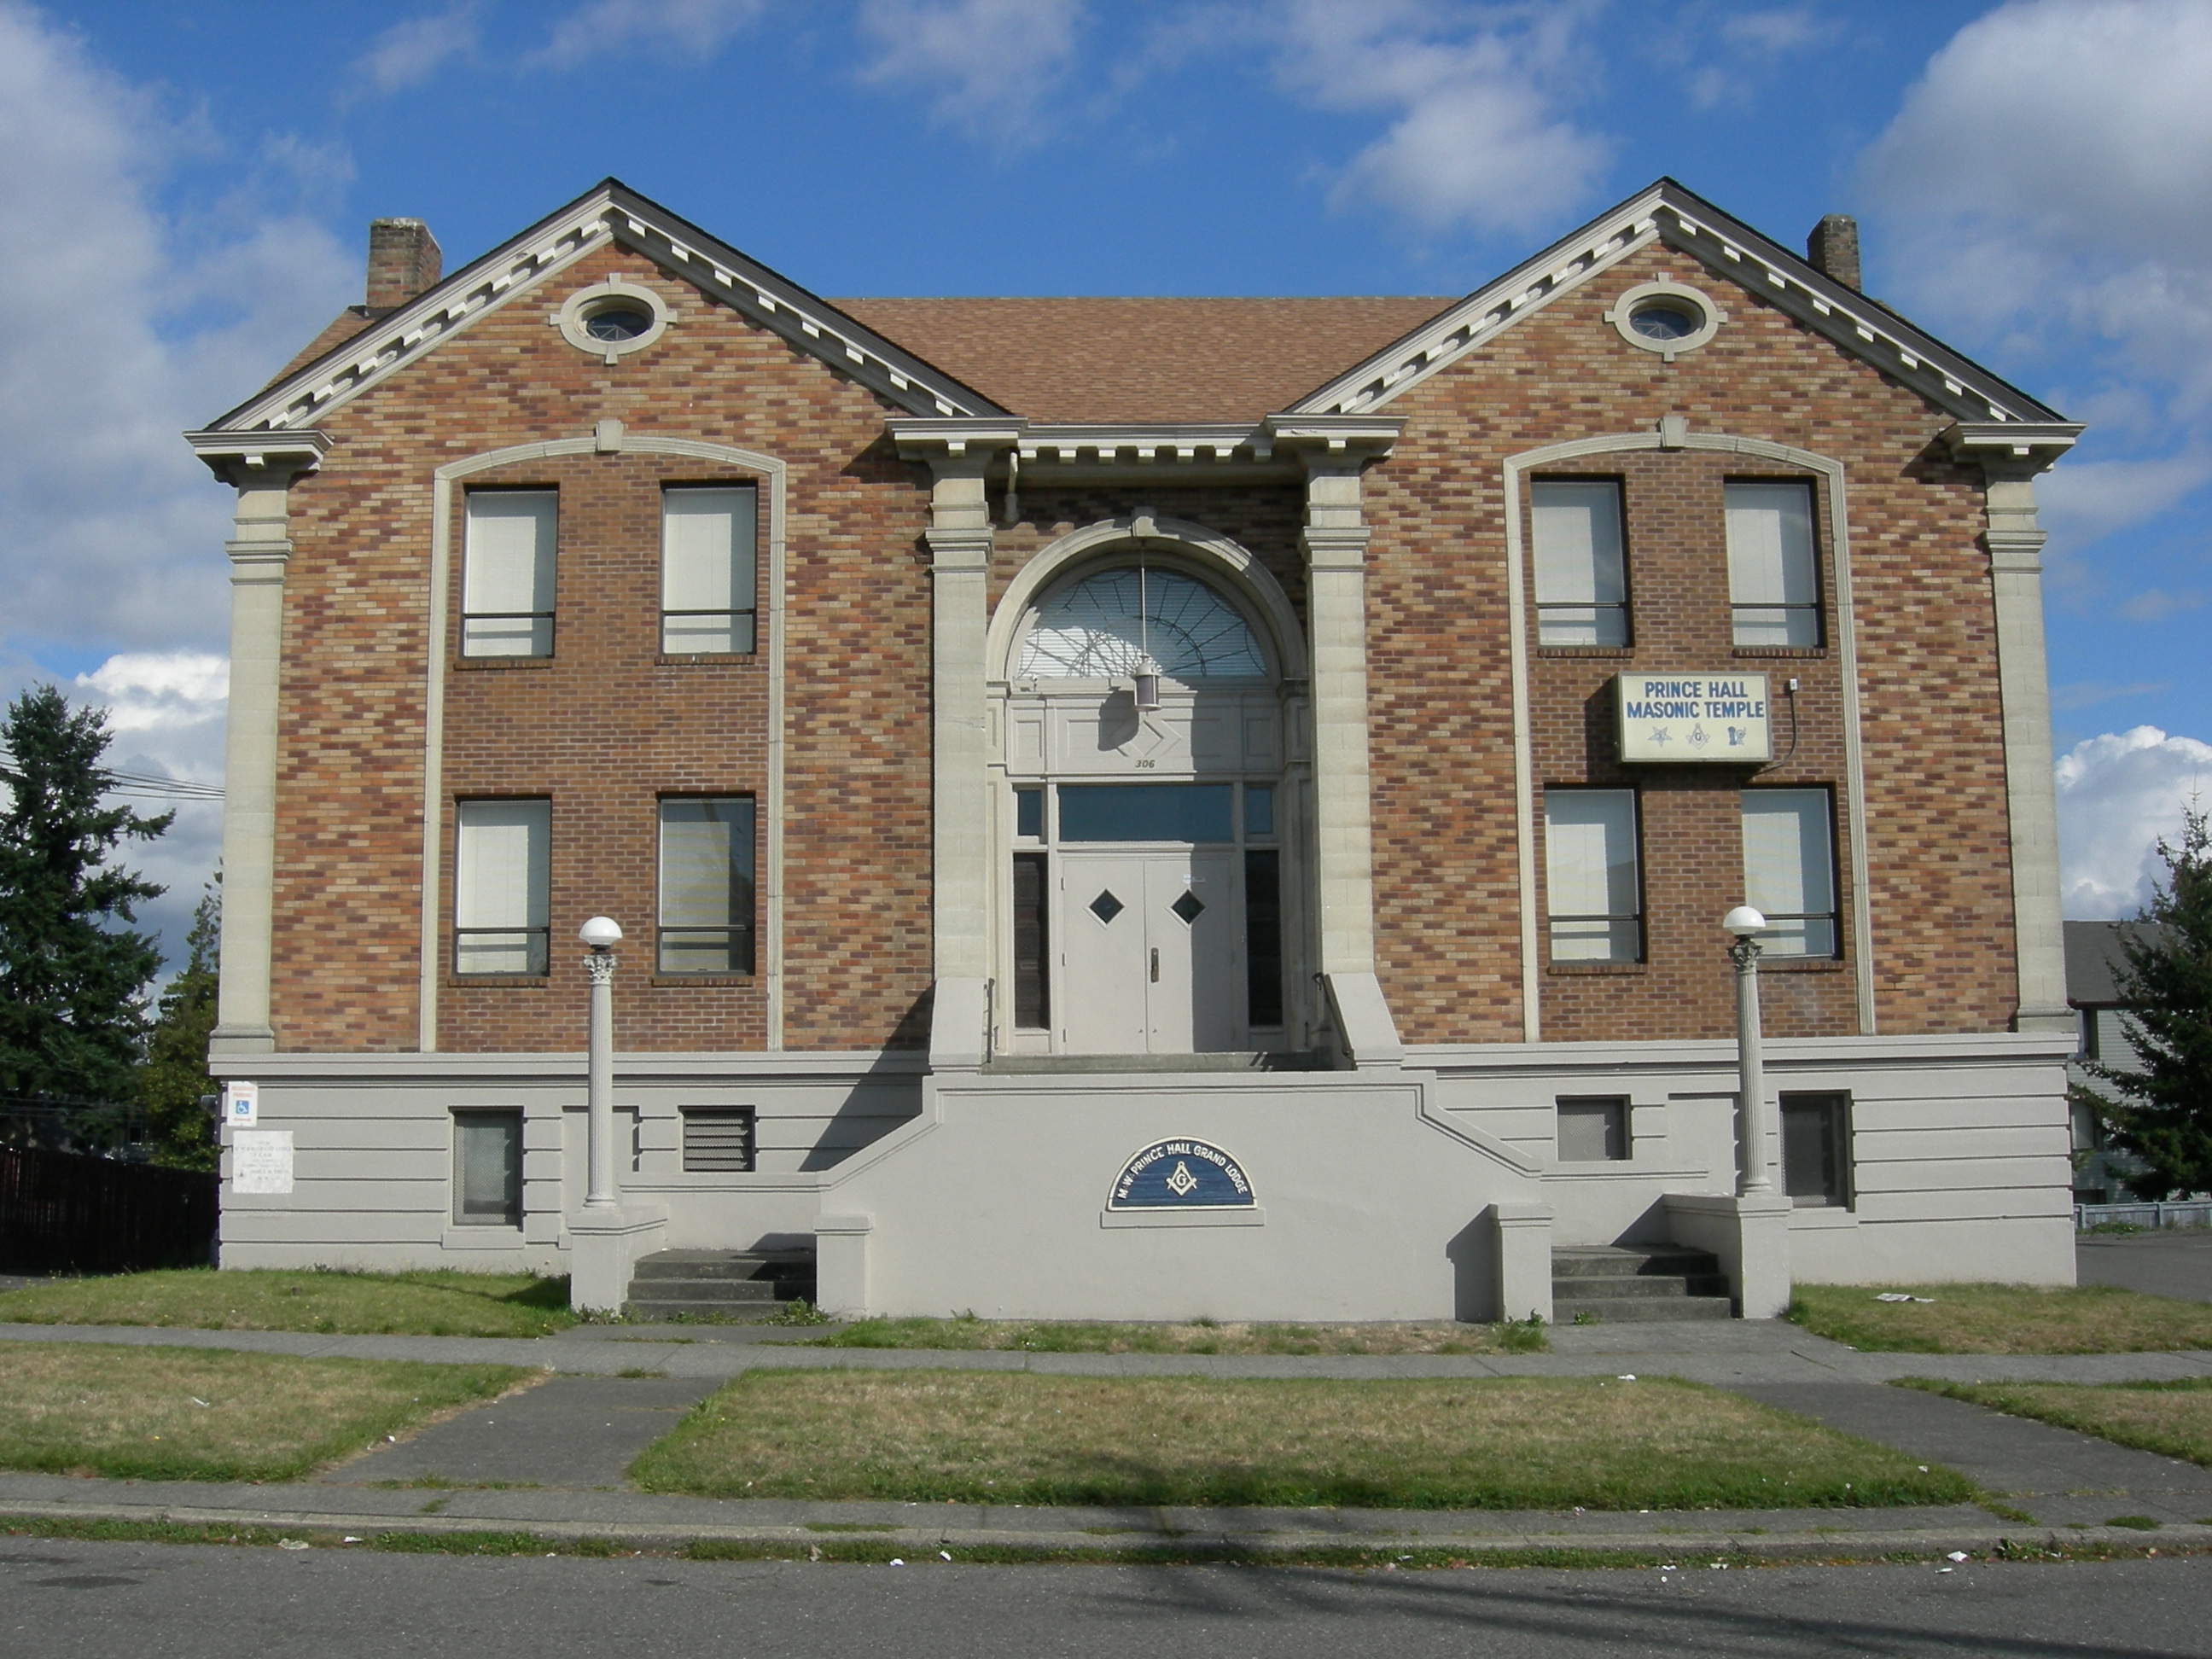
(71, 1212)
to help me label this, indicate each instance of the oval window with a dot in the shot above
(617, 324)
(1666, 319)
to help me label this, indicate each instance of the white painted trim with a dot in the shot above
(434, 703)
(1623, 318)
(572, 321)
(1205, 547)
(1845, 635)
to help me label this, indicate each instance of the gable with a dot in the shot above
(1668, 214)
(608, 215)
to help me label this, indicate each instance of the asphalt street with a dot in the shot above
(69, 1599)
(2177, 1262)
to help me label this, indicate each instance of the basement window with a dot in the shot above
(1594, 1131)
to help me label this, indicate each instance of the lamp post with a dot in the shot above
(1751, 1066)
(602, 934)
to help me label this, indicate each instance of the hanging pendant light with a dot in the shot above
(1148, 671)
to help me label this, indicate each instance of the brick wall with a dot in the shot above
(1440, 681)
(604, 726)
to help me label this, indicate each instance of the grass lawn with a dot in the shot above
(428, 1303)
(1066, 1336)
(1503, 1443)
(2171, 1418)
(196, 1414)
(2002, 1319)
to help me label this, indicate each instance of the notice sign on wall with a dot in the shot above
(1694, 717)
(1181, 1175)
(261, 1161)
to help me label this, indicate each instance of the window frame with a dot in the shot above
(748, 928)
(1817, 608)
(537, 937)
(1638, 916)
(1834, 915)
(750, 615)
(1619, 1138)
(513, 1209)
(1839, 1147)
(549, 616)
(1622, 608)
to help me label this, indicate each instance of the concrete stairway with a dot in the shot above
(719, 1284)
(1613, 1284)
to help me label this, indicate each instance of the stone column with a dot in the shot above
(261, 467)
(2011, 454)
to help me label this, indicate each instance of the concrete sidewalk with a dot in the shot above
(1734, 1354)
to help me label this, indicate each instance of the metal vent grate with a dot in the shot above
(717, 1139)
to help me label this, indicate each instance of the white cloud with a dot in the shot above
(2118, 794)
(2083, 501)
(1477, 139)
(992, 68)
(2046, 178)
(145, 327)
(411, 52)
(2088, 694)
(686, 28)
(1747, 44)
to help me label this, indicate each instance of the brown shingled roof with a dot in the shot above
(1118, 360)
(343, 327)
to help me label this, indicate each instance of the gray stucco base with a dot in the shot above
(1426, 1192)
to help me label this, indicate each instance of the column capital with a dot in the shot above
(958, 447)
(2012, 449)
(960, 548)
(260, 460)
(1333, 442)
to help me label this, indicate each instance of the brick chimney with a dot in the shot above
(402, 261)
(1833, 248)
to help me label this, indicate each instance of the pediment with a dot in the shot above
(1666, 212)
(612, 213)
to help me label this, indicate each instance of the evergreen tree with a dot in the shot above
(71, 1020)
(175, 1074)
(2163, 1113)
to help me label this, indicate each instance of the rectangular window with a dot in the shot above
(1263, 939)
(1032, 974)
(706, 885)
(488, 1169)
(1816, 1150)
(1259, 812)
(1790, 870)
(1582, 576)
(1145, 811)
(1774, 583)
(1593, 1131)
(718, 1139)
(707, 570)
(1029, 814)
(501, 860)
(1591, 886)
(506, 573)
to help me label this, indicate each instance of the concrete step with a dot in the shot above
(1674, 1285)
(1633, 1310)
(724, 1264)
(1624, 1262)
(742, 1285)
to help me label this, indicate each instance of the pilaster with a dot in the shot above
(2011, 453)
(261, 467)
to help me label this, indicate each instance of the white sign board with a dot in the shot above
(261, 1161)
(1694, 717)
(241, 1104)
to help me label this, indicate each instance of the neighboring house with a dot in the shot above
(2094, 957)
(1142, 807)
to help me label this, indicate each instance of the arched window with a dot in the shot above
(1098, 628)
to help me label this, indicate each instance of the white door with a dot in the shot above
(1151, 965)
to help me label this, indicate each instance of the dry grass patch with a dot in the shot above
(2173, 1418)
(1087, 1336)
(2002, 1319)
(1506, 1442)
(428, 1303)
(198, 1414)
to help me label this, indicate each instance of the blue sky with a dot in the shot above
(190, 185)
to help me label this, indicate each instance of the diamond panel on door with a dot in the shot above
(1188, 907)
(1106, 906)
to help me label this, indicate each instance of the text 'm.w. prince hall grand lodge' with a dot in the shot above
(1142, 808)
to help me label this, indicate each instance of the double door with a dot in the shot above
(1149, 954)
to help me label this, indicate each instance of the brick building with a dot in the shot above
(1142, 807)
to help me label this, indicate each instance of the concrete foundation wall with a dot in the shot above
(1377, 1193)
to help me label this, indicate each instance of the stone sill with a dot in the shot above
(1621, 652)
(704, 659)
(1595, 970)
(1781, 653)
(498, 980)
(1801, 965)
(497, 665)
(709, 980)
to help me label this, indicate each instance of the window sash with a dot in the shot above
(488, 1169)
(501, 864)
(506, 573)
(1592, 886)
(708, 597)
(1774, 586)
(1790, 871)
(1816, 1150)
(1581, 570)
(706, 898)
